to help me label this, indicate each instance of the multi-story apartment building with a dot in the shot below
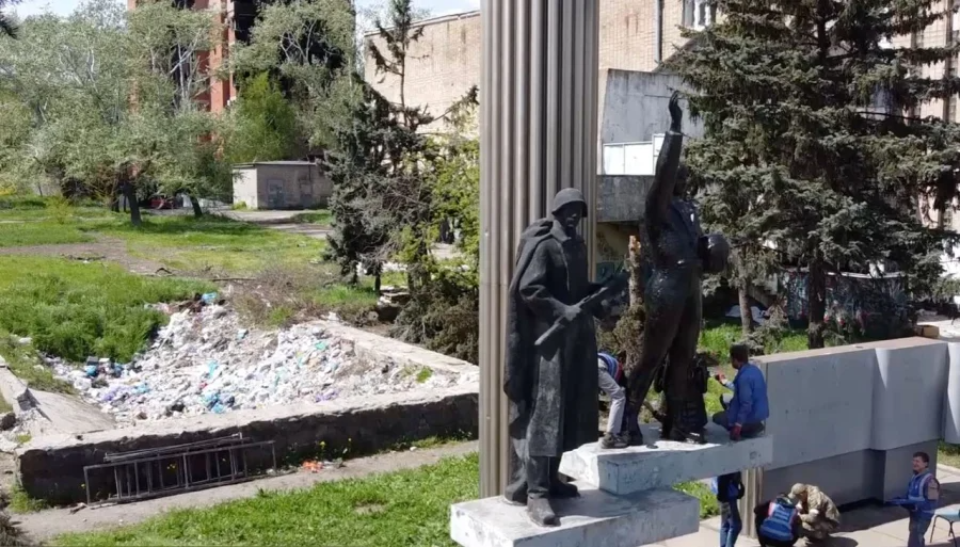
(237, 18)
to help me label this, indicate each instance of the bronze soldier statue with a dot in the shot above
(678, 253)
(550, 374)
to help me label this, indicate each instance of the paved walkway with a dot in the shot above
(873, 526)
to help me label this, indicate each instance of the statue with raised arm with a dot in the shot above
(678, 253)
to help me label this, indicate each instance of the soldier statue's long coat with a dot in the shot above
(553, 398)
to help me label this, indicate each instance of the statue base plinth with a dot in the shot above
(595, 519)
(662, 463)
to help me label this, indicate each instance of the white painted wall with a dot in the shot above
(245, 187)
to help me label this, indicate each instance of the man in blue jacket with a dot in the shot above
(744, 414)
(923, 494)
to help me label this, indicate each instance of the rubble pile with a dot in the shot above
(204, 361)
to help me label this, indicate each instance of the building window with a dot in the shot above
(631, 159)
(698, 14)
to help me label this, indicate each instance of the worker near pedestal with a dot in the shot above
(923, 494)
(610, 377)
(729, 490)
(819, 516)
(744, 413)
(778, 522)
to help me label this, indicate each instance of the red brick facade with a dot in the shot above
(221, 91)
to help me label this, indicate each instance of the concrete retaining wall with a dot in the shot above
(51, 467)
(849, 419)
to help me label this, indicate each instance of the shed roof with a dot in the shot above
(290, 162)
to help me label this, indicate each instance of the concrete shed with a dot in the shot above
(281, 185)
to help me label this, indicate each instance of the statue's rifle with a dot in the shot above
(609, 289)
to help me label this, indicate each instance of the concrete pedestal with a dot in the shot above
(662, 464)
(595, 519)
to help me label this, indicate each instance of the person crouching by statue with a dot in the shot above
(678, 253)
(550, 374)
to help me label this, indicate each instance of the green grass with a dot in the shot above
(718, 336)
(191, 244)
(23, 234)
(26, 365)
(337, 296)
(949, 454)
(424, 375)
(73, 310)
(322, 217)
(401, 508)
(21, 502)
(396, 509)
(180, 242)
(709, 507)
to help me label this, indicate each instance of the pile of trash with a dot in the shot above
(204, 361)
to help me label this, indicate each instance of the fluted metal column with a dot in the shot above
(538, 134)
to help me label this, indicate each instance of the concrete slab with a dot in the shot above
(70, 416)
(14, 390)
(662, 464)
(825, 395)
(595, 519)
(908, 393)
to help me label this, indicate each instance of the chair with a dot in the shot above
(949, 514)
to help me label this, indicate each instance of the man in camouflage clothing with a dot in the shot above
(819, 516)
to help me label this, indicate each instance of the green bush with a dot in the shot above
(73, 310)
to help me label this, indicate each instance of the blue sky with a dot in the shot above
(27, 8)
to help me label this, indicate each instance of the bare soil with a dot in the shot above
(104, 248)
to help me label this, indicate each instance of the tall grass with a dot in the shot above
(73, 310)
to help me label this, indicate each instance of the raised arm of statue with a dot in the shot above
(665, 177)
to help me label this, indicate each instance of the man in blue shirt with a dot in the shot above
(746, 410)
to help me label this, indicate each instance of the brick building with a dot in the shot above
(445, 62)
(237, 17)
(635, 36)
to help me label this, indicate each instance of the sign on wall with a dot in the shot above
(632, 158)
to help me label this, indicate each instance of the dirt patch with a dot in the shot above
(370, 508)
(104, 248)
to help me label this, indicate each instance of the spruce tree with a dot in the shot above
(357, 167)
(799, 154)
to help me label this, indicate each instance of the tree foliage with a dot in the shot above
(358, 167)
(115, 102)
(801, 164)
(7, 27)
(305, 47)
(262, 124)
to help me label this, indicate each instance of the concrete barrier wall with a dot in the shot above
(849, 419)
(951, 423)
(51, 467)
